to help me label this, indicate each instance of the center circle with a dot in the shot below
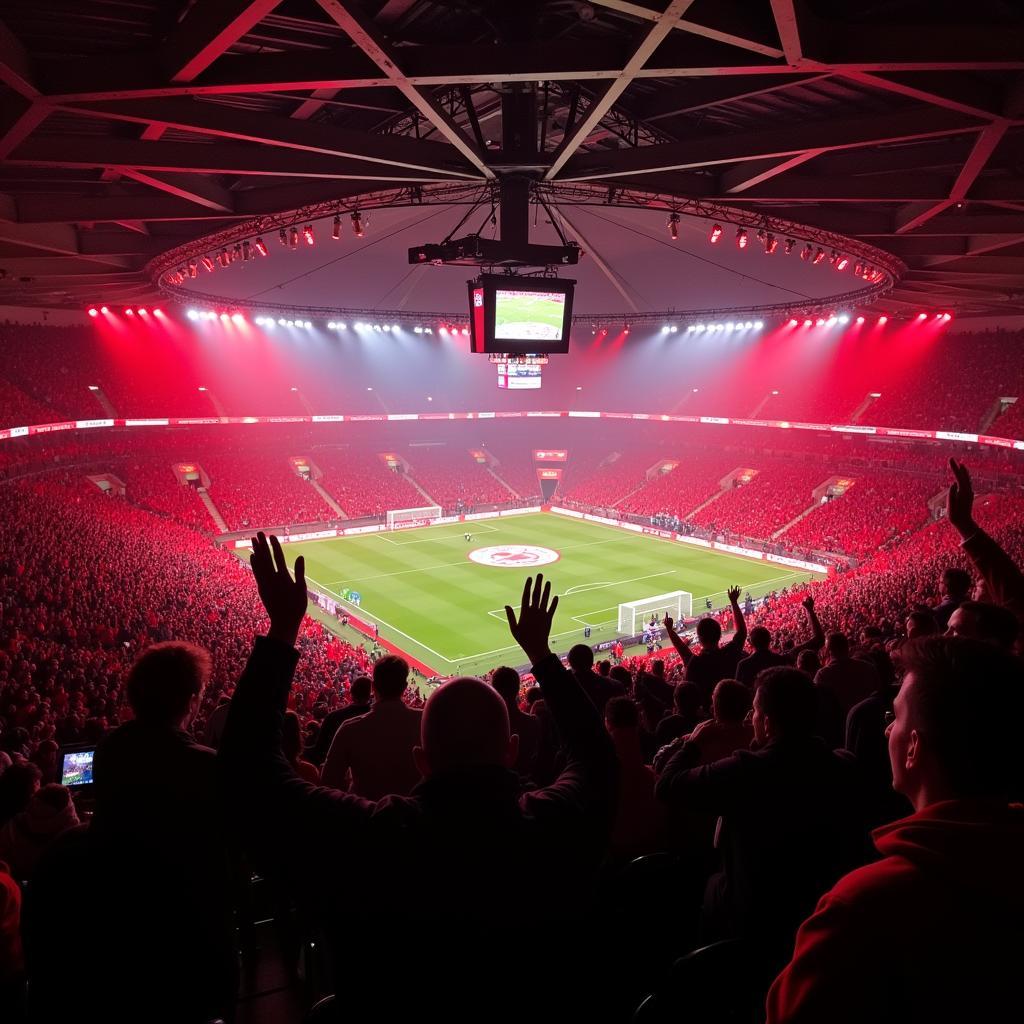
(514, 556)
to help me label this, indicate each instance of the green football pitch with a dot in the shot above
(431, 600)
(528, 309)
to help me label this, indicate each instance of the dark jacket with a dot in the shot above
(467, 864)
(329, 729)
(747, 669)
(931, 933)
(792, 824)
(151, 876)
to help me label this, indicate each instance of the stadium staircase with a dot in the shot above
(869, 400)
(204, 497)
(714, 497)
(504, 483)
(430, 500)
(334, 506)
(996, 410)
(803, 515)
(105, 404)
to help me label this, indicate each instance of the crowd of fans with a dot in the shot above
(250, 490)
(107, 613)
(455, 480)
(774, 497)
(677, 493)
(153, 484)
(878, 509)
(362, 483)
(606, 485)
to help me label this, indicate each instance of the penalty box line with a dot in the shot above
(482, 528)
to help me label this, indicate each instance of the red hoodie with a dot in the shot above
(932, 932)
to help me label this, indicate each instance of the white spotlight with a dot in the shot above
(758, 324)
(843, 318)
(192, 315)
(330, 325)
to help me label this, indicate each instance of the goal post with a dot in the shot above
(399, 517)
(677, 603)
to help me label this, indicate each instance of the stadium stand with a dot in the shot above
(250, 491)
(776, 495)
(362, 483)
(453, 479)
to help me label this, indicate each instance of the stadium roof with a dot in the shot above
(130, 127)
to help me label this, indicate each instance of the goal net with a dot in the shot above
(397, 518)
(634, 615)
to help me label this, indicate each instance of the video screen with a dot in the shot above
(77, 768)
(520, 316)
(519, 377)
(528, 315)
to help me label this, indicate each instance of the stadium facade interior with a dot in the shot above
(657, 299)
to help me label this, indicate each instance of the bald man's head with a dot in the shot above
(465, 725)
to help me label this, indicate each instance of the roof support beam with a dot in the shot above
(789, 32)
(990, 137)
(192, 187)
(208, 29)
(822, 136)
(15, 66)
(368, 38)
(222, 159)
(650, 42)
(225, 122)
(739, 179)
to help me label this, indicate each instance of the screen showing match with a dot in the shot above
(77, 768)
(528, 315)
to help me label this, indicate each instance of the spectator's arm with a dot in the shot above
(817, 640)
(262, 787)
(711, 788)
(737, 617)
(1003, 578)
(835, 974)
(337, 763)
(587, 782)
(681, 646)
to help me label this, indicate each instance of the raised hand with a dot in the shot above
(960, 500)
(284, 598)
(808, 603)
(668, 623)
(733, 594)
(532, 629)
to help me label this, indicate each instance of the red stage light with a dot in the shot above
(307, 234)
(883, 319)
(807, 323)
(947, 316)
(336, 228)
(129, 312)
(818, 256)
(261, 246)
(860, 320)
(819, 322)
(357, 224)
(93, 311)
(103, 309)
(843, 263)
(293, 238)
(792, 323)
(741, 238)
(158, 312)
(807, 252)
(716, 234)
(790, 242)
(771, 245)
(208, 263)
(922, 316)
(143, 312)
(673, 226)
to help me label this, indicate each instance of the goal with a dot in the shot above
(633, 615)
(398, 518)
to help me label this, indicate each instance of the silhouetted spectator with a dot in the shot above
(932, 931)
(360, 694)
(848, 680)
(507, 683)
(714, 662)
(375, 749)
(599, 689)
